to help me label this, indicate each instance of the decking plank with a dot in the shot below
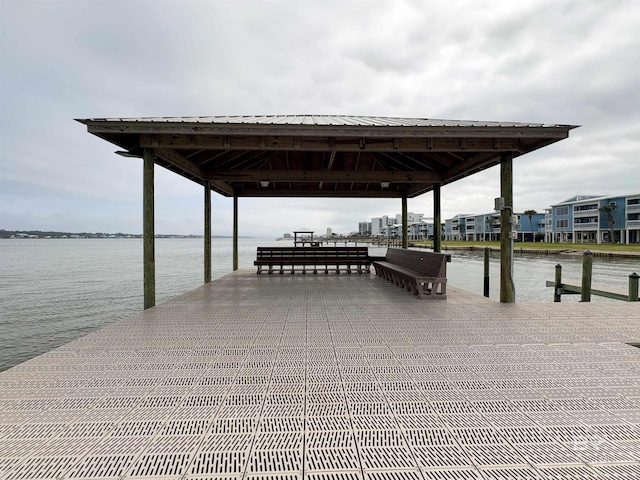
(305, 376)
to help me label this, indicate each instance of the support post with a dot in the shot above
(235, 231)
(507, 287)
(486, 271)
(587, 267)
(405, 223)
(437, 225)
(207, 231)
(633, 287)
(557, 295)
(148, 229)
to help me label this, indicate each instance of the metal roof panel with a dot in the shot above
(328, 120)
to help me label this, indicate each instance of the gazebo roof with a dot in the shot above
(323, 155)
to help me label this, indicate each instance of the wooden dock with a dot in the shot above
(332, 377)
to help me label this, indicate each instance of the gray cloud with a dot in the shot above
(545, 61)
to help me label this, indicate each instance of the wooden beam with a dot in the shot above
(226, 142)
(247, 191)
(339, 176)
(149, 268)
(102, 128)
(223, 187)
(179, 161)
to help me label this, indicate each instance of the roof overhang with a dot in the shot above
(323, 156)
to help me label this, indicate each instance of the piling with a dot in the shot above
(633, 287)
(587, 268)
(486, 271)
(557, 296)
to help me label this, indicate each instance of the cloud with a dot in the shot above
(547, 61)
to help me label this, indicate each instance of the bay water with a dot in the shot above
(53, 291)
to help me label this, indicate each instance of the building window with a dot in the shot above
(562, 223)
(582, 208)
(562, 210)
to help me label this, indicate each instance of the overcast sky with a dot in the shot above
(547, 61)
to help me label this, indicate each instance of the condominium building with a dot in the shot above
(418, 227)
(594, 219)
(364, 229)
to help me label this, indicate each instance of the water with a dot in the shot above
(54, 291)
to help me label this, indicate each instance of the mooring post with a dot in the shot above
(486, 271)
(587, 267)
(633, 287)
(557, 296)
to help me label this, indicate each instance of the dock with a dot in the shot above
(332, 377)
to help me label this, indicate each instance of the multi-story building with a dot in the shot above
(468, 227)
(579, 219)
(364, 229)
(486, 227)
(595, 219)
(418, 228)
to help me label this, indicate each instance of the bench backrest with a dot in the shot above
(350, 253)
(427, 263)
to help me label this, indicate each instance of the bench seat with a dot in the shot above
(421, 273)
(312, 259)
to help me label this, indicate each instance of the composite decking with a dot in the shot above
(332, 377)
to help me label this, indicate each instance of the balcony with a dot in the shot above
(633, 208)
(633, 223)
(591, 226)
(592, 212)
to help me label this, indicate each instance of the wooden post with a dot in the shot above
(557, 295)
(207, 231)
(148, 230)
(507, 287)
(587, 264)
(235, 231)
(486, 271)
(633, 287)
(405, 223)
(437, 226)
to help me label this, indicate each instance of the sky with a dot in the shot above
(539, 61)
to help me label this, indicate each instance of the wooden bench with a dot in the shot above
(313, 259)
(422, 273)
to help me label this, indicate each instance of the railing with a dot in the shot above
(585, 213)
(633, 207)
(585, 226)
(585, 289)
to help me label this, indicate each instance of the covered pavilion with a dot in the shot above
(323, 156)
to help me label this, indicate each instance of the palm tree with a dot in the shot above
(611, 221)
(530, 214)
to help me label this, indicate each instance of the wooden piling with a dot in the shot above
(507, 287)
(587, 268)
(148, 229)
(486, 271)
(235, 232)
(405, 223)
(207, 231)
(557, 289)
(437, 226)
(633, 287)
